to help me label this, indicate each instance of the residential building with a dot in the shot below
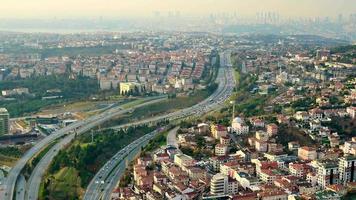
(262, 136)
(203, 128)
(349, 146)
(269, 176)
(183, 160)
(272, 129)
(248, 181)
(307, 153)
(347, 169)
(220, 150)
(261, 146)
(299, 169)
(218, 131)
(256, 122)
(273, 195)
(351, 111)
(327, 173)
(301, 116)
(223, 185)
(225, 140)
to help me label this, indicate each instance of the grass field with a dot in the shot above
(7, 160)
(82, 106)
(9, 155)
(170, 105)
(133, 103)
(63, 185)
(237, 76)
(85, 109)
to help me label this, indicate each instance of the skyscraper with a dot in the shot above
(4, 121)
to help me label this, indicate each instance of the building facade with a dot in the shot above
(347, 169)
(327, 174)
(307, 153)
(4, 121)
(223, 185)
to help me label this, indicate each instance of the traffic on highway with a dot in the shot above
(67, 132)
(108, 176)
(225, 82)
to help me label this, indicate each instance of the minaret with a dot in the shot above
(233, 110)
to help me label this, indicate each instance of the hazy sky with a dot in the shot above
(119, 8)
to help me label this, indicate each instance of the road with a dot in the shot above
(224, 90)
(102, 190)
(80, 125)
(33, 185)
(172, 137)
(20, 185)
(34, 182)
(115, 167)
(226, 83)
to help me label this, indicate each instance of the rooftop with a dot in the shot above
(3, 111)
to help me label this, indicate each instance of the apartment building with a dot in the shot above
(327, 173)
(347, 169)
(223, 185)
(307, 153)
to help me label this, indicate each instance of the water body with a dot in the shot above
(59, 31)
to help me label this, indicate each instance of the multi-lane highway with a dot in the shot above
(78, 127)
(103, 183)
(225, 82)
(109, 172)
(20, 191)
(226, 85)
(34, 182)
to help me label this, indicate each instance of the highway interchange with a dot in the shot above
(78, 127)
(226, 83)
(108, 176)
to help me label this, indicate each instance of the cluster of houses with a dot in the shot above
(262, 170)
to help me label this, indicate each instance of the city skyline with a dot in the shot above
(20, 9)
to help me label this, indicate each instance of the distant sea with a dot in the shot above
(61, 31)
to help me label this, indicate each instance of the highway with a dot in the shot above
(103, 183)
(20, 192)
(114, 168)
(78, 127)
(34, 182)
(216, 100)
(225, 82)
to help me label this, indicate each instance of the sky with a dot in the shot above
(26, 9)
